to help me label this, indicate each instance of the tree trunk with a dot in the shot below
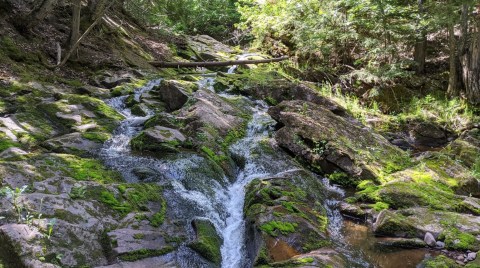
(470, 62)
(161, 64)
(75, 31)
(453, 81)
(420, 51)
(39, 14)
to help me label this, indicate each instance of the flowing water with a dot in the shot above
(196, 193)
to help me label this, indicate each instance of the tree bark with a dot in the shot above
(453, 80)
(75, 31)
(161, 64)
(470, 62)
(420, 51)
(39, 14)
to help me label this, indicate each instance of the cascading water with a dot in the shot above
(213, 196)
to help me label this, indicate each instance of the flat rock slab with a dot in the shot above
(128, 240)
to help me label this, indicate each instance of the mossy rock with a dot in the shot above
(441, 261)
(158, 139)
(287, 214)
(207, 242)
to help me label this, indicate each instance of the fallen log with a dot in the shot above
(162, 64)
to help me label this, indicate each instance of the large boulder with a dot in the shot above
(284, 217)
(158, 138)
(174, 93)
(207, 242)
(76, 142)
(329, 142)
(457, 231)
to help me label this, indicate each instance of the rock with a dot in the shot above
(139, 109)
(460, 258)
(158, 138)
(324, 257)
(73, 144)
(439, 245)
(208, 48)
(307, 132)
(146, 173)
(207, 242)
(128, 242)
(113, 80)
(401, 242)
(283, 90)
(12, 152)
(282, 223)
(352, 210)
(471, 256)
(389, 98)
(430, 240)
(92, 91)
(428, 135)
(416, 222)
(174, 93)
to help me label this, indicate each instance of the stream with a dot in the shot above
(193, 193)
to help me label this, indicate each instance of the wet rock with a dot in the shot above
(416, 222)
(352, 210)
(283, 218)
(307, 132)
(147, 262)
(401, 242)
(158, 138)
(139, 109)
(207, 242)
(146, 173)
(430, 240)
(324, 257)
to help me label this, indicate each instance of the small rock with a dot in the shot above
(440, 245)
(471, 256)
(430, 240)
(460, 258)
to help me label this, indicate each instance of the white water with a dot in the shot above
(196, 195)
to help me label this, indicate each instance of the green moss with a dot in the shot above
(5, 144)
(208, 242)
(136, 197)
(82, 169)
(379, 206)
(457, 240)
(275, 228)
(142, 143)
(144, 253)
(342, 178)
(99, 137)
(212, 155)
(306, 260)
(441, 262)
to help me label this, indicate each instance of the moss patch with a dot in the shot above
(144, 253)
(208, 242)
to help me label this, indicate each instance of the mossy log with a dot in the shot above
(162, 64)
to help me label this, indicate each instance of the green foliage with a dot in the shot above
(275, 228)
(78, 192)
(212, 17)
